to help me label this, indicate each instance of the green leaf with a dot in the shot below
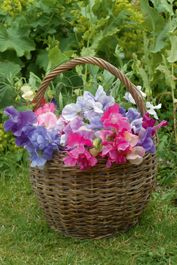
(173, 52)
(56, 57)
(7, 93)
(42, 59)
(152, 17)
(163, 6)
(9, 68)
(88, 51)
(12, 39)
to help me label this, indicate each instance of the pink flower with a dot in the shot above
(132, 139)
(81, 157)
(48, 107)
(116, 150)
(47, 120)
(113, 119)
(158, 126)
(75, 139)
(136, 155)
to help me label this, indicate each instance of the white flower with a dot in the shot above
(151, 109)
(129, 97)
(28, 94)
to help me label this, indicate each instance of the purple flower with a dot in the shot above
(122, 111)
(101, 97)
(145, 136)
(73, 125)
(132, 114)
(18, 120)
(41, 144)
(95, 123)
(23, 139)
(88, 105)
(136, 125)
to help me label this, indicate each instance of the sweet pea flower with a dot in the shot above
(115, 151)
(129, 97)
(100, 96)
(41, 145)
(80, 157)
(47, 119)
(148, 121)
(136, 155)
(48, 107)
(132, 114)
(131, 138)
(75, 139)
(28, 94)
(18, 120)
(145, 140)
(151, 109)
(136, 125)
(71, 111)
(88, 106)
(113, 119)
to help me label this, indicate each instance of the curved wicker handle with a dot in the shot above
(96, 61)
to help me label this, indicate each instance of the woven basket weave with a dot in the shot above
(100, 201)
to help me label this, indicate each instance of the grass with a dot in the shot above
(25, 237)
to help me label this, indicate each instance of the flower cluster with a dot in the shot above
(92, 128)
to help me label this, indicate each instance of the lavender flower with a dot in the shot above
(41, 145)
(132, 114)
(88, 106)
(146, 141)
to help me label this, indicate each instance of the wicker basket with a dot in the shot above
(100, 201)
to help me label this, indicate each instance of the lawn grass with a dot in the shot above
(26, 239)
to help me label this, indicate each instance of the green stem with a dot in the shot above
(174, 105)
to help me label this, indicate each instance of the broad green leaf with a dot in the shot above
(9, 68)
(11, 39)
(161, 39)
(42, 59)
(173, 52)
(56, 57)
(152, 17)
(7, 93)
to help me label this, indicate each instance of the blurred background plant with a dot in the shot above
(139, 37)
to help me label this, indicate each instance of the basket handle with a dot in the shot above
(95, 61)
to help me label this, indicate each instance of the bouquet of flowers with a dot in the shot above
(94, 127)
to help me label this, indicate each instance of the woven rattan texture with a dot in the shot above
(94, 203)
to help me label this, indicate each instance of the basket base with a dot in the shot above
(74, 233)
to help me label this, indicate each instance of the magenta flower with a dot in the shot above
(81, 157)
(148, 121)
(115, 148)
(79, 154)
(75, 139)
(113, 119)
